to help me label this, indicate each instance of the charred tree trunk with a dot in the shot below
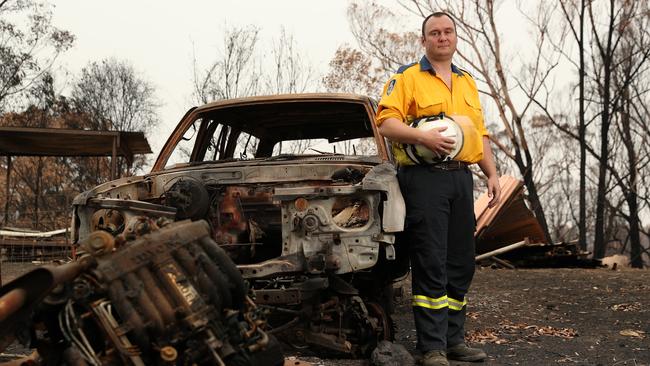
(599, 234)
(606, 55)
(631, 195)
(635, 238)
(582, 218)
(567, 7)
(630, 188)
(582, 130)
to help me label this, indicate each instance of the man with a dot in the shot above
(440, 219)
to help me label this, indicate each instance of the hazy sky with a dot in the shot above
(160, 37)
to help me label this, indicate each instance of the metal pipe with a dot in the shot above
(252, 323)
(162, 273)
(281, 310)
(502, 250)
(215, 273)
(503, 262)
(128, 314)
(238, 287)
(186, 261)
(261, 344)
(149, 309)
(205, 283)
(158, 297)
(285, 326)
(11, 302)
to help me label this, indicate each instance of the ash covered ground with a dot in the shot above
(549, 317)
(534, 317)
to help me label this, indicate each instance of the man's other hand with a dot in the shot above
(494, 190)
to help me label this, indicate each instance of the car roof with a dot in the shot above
(292, 108)
(285, 98)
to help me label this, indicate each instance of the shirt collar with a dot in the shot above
(425, 65)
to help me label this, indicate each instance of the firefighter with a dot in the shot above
(440, 222)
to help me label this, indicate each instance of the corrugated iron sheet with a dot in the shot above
(24, 141)
(510, 221)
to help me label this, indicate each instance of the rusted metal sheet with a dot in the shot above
(24, 141)
(510, 221)
(283, 296)
(28, 141)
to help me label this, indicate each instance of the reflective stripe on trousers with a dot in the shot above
(439, 302)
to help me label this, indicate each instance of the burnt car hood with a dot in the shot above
(364, 173)
(143, 187)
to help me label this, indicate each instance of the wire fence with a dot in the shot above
(47, 219)
(18, 255)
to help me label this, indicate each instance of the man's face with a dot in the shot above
(439, 38)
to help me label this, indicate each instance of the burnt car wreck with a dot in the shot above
(298, 190)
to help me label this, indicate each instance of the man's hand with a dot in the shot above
(489, 169)
(494, 190)
(436, 142)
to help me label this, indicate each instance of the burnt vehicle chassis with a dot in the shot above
(312, 234)
(160, 293)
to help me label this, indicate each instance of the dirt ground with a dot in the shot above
(11, 270)
(541, 317)
(550, 317)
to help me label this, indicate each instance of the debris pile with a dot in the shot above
(510, 231)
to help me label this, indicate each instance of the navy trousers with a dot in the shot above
(439, 233)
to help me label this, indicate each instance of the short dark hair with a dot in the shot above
(437, 14)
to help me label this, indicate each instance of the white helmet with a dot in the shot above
(422, 155)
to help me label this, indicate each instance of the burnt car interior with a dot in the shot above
(257, 131)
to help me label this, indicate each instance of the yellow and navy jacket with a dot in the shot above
(415, 91)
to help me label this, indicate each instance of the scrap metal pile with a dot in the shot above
(161, 293)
